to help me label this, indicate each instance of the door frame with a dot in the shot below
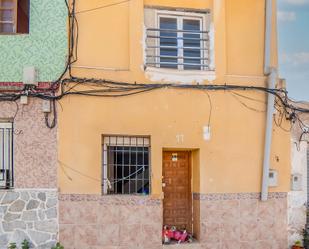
(190, 197)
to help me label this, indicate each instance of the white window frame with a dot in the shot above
(180, 16)
(6, 151)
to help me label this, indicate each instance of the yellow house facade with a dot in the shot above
(182, 154)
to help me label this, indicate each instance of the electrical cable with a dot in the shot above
(249, 98)
(102, 7)
(210, 108)
(68, 62)
(63, 166)
(54, 121)
(245, 105)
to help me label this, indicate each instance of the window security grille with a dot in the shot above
(6, 155)
(126, 165)
(178, 42)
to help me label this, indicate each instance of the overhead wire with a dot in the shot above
(210, 108)
(102, 7)
(64, 167)
(249, 98)
(245, 105)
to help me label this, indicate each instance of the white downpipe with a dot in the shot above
(268, 30)
(272, 79)
(271, 73)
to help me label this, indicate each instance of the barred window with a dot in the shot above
(126, 168)
(178, 40)
(6, 155)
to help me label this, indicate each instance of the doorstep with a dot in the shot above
(193, 245)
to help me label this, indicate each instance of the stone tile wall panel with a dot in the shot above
(226, 221)
(242, 221)
(91, 221)
(24, 214)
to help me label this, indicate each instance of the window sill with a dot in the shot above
(127, 195)
(179, 76)
(2, 188)
(13, 34)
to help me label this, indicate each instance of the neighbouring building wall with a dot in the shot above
(297, 200)
(45, 47)
(35, 145)
(30, 210)
(31, 215)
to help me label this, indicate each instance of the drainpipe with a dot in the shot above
(271, 74)
(272, 78)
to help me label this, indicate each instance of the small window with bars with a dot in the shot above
(6, 155)
(14, 16)
(179, 41)
(126, 165)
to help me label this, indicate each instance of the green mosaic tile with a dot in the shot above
(45, 47)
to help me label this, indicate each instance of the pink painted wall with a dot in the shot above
(35, 145)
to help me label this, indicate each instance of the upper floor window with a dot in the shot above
(14, 16)
(126, 165)
(6, 155)
(178, 40)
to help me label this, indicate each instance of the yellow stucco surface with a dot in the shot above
(111, 47)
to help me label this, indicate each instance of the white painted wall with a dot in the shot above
(297, 199)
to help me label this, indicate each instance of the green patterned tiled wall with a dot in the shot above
(45, 47)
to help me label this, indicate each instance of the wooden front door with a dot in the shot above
(177, 208)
